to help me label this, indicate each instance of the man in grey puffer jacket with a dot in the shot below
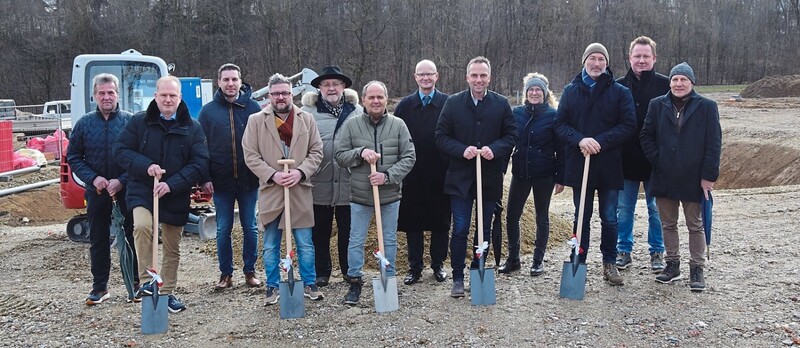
(383, 139)
(331, 106)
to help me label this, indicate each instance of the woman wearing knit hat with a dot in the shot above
(682, 139)
(537, 166)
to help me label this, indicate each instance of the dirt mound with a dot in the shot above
(774, 87)
(747, 165)
(40, 206)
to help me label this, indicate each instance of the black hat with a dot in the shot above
(332, 72)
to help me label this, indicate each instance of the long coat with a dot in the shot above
(604, 113)
(682, 155)
(424, 205)
(263, 148)
(180, 150)
(651, 85)
(462, 124)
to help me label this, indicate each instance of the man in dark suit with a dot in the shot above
(473, 122)
(424, 205)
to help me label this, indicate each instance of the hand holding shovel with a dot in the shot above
(385, 288)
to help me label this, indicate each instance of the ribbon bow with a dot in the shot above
(156, 278)
(573, 242)
(479, 249)
(286, 263)
(383, 261)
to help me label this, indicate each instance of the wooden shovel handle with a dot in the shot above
(582, 204)
(287, 214)
(376, 200)
(155, 221)
(479, 189)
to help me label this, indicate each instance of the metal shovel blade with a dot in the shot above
(155, 318)
(385, 294)
(573, 280)
(292, 304)
(481, 284)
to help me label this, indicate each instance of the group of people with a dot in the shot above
(644, 127)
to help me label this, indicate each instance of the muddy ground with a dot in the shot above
(753, 277)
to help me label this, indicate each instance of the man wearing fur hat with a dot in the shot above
(594, 118)
(331, 106)
(682, 139)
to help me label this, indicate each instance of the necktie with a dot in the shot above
(426, 100)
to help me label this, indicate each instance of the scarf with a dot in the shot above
(333, 110)
(285, 127)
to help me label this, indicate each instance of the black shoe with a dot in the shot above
(696, 280)
(412, 277)
(670, 273)
(322, 281)
(439, 274)
(537, 269)
(511, 265)
(458, 289)
(354, 293)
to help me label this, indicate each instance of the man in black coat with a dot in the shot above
(594, 118)
(163, 138)
(474, 122)
(682, 139)
(424, 205)
(645, 84)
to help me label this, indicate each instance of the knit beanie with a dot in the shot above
(535, 81)
(595, 48)
(683, 69)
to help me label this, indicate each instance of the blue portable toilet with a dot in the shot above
(191, 89)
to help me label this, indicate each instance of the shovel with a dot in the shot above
(154, 307)
(481, 280)
(573, 274)
(384, 289)
(291, 292)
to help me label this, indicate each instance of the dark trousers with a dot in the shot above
(321, 237)
(98, 208)
(607, 202)
(462, 220)
(416, 248)
(518, 193)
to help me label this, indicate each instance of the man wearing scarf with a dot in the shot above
(283, 131)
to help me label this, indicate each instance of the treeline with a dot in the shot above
(726, 41)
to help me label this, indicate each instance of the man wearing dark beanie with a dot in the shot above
(594, 118)
(682, 139)
(645, 84)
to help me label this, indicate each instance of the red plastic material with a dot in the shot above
(71, 192)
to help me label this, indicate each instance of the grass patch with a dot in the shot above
(720, 88)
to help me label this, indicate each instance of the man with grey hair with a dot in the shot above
(90, 157)
(379, 138)
(166, 143)
(283, 131)
(425, 206)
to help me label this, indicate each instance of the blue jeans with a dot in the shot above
(223, 202)
(272, 249)
(360, 216)
(607, 201)
(625, 216)
(462, 221)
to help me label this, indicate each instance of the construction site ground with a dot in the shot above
(753, 276)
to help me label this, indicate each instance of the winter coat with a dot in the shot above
(605, 113)
(651, 85)
(682, 155)
(90, 147)
(331, 181)
(223, 124)
(391, 139)
(538, 152)
(424, 205)
(263, 148)
(461, 124)
(180, 150)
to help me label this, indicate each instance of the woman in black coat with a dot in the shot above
(537, 166)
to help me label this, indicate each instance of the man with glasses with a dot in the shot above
(283, 131)
(424, 205)
(331, 106)
(223, 121)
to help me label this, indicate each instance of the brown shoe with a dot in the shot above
(611, 274)
(225, 281)
(251, 280)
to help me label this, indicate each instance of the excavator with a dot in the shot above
(138, 74)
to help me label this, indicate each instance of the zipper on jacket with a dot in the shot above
(233, 142)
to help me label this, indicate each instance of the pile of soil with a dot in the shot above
(774, 87)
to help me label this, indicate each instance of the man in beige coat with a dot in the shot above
(282, 131)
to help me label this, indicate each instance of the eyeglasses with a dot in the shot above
(280, 94)
(425, 74)
(331, 84)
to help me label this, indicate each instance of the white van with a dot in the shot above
(8, 109)
(56, 107)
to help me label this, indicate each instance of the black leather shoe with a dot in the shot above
(510, 266)
(412, 277)
(439, 274)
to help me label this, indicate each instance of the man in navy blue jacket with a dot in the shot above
(231, 181)
(596, 116)
(471, 120)
(90, 158)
